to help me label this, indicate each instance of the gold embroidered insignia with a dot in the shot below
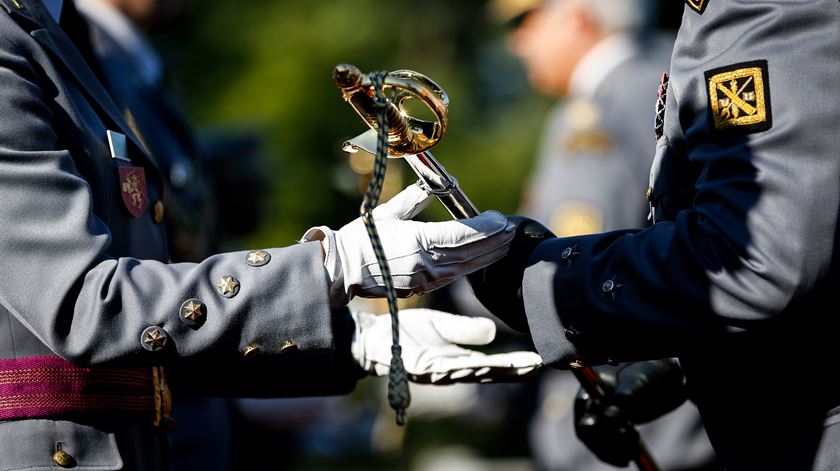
(739, 97)
(131, 186)
(596, 141)
(576, 218)
(133, 189)
(697, 5)
(581, 114)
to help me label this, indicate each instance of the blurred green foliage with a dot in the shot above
(266, 66)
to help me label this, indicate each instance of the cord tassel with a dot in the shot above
(399, 395)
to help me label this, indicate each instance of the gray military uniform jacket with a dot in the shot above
(735, 275)
(84, 279)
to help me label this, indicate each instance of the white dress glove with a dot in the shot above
(430, 352)
(422, 256)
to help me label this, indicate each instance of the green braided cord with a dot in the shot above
(399, 396)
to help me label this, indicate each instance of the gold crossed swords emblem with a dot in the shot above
(738, 97)
(732, 104)
(697, 5)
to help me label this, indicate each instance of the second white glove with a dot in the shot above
(422, 256)
(430, 350)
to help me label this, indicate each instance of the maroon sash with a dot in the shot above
(48, 387)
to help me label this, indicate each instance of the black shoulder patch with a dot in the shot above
(697, 5)
(739, 97)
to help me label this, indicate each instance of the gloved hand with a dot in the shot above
(422, 256)
(499, 286)
(647, 390)
(638, 393)
(430, 348)
(605, 430)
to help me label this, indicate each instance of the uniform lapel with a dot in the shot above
(50, 35)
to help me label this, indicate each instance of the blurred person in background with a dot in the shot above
(600, 59)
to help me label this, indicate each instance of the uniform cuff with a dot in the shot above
(543, 296)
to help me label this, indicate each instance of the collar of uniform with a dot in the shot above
(597, 64)
(35, 12)
(120, 28)
(54, 7)
(50, 35)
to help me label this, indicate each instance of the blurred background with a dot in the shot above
(265, 66)
(257, 74)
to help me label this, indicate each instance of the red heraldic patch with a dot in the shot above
(133, 189)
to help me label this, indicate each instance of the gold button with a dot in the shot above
(649, 193)
(251, 351)
(288, 347)
(63, 459)
(157, 211)
(257, 258)
(153, 338)
(193, 312)
(228, 286)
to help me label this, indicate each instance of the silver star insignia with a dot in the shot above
(227, 285)
(257, 257)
